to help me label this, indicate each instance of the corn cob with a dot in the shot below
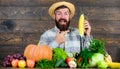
(113, 65)
(81, 25)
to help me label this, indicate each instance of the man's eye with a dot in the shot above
(58, 13)
(66, 13)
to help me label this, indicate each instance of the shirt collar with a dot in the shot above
(56, 29)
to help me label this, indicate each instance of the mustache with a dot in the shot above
(62, 20)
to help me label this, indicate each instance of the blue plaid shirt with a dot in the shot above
(73, 44)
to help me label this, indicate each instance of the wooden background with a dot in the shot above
(23, 21)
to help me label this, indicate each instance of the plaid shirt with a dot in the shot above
(73, 44)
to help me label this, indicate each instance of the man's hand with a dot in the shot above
(60, 36)
(87, 28)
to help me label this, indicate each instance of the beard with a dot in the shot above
(62, 27)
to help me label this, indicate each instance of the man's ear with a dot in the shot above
(70, 17)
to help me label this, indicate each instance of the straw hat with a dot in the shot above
(67, 4)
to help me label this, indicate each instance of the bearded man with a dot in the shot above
(62, 35)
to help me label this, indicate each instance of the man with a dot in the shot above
(62, 35)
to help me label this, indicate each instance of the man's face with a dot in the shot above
(62, 18)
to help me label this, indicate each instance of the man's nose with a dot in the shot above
(62, 16)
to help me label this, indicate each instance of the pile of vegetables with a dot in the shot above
(92, 56)
(88, 57)
(45, 57)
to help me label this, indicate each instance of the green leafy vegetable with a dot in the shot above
(97, 46)
(44, 63)
(59, 62)
(58, 54)
(84, 57)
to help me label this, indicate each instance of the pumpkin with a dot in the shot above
(37, 52)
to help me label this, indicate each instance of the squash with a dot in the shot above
(37, 52)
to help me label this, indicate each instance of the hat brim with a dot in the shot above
(55, 5)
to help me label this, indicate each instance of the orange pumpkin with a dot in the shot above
(37, 52)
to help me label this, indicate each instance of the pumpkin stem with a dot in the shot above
(38, 43)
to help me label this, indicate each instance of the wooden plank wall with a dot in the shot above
(23, 21)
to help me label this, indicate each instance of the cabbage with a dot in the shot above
(102, 64)
(96, 58)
